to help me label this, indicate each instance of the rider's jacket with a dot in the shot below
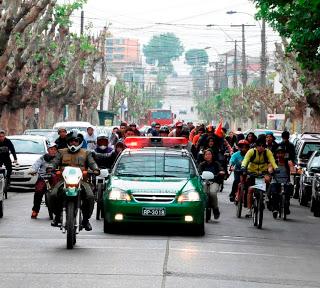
(5, 148)
(260, 162)
(104, 158)
(236, 160)
(82, 159)
(42, 164)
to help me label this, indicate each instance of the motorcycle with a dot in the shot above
(71, 211)
(209, 179)
(100, 183)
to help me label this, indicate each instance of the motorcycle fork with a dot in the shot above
(78, 214)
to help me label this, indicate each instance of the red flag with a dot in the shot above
(219, 131)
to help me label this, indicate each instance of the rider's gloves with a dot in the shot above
(96, 172)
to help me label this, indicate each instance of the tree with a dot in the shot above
(197, 59)
(162, 50)
(298, 21)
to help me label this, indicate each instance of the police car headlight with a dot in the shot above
(118, 194)
(189, 196)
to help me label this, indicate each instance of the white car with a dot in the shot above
(28, 149)
(70, 125)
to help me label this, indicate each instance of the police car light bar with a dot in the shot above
(142, 142)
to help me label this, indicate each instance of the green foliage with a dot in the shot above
(62, 12)
(162, 49)
(86, 45)
(19, 41)
(197, 57)
(298, 21)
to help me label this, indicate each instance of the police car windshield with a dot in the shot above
(133, 165)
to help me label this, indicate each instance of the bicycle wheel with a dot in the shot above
(70, 226)
(260, 211)
(239, 203)
(284, 206)
(255, 212)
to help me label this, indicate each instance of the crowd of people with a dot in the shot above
(213, 148)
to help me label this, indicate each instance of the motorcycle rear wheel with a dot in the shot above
(99, 201)
(70, 225)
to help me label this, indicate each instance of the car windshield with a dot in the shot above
(161, 115)
(26, 146)
(309, 148)
(155, 165)
(315, 162)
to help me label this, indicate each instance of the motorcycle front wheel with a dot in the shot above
(70, 225)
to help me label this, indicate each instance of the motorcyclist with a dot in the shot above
(154, 130)
(256, 162)
(6, 147)
(104, 154)
(61, 141)
(235, 164)
(74, 156)
(40, 167)
(209, 164)
(164, 131)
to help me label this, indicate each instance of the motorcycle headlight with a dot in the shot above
(118, 194)
(189, 196)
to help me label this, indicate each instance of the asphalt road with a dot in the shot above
(232, 253)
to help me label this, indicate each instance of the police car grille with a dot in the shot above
(153, 198)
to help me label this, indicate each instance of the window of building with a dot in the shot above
(109, 42)
(109, 50)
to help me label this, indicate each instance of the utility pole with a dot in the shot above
(81, 22)
(235, 64)
(244, 73)
(263, 55)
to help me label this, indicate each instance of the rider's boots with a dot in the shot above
(86, 224)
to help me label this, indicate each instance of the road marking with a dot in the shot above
(234, 253)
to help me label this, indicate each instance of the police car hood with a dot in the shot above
(152, 185)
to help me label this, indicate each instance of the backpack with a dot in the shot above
(266, 160)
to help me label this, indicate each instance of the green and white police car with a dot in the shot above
(155, 180)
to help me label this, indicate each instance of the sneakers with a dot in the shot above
(216, 213)
(56, 221)
(86, 225)
(275, 214)
(248, 213)
(34, 214)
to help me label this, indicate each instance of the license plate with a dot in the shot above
(260, 184)
(153, 211)
(17, 173)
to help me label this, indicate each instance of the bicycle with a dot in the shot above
(241, 196)
(283, 200)
(46, 178)
(258, 199)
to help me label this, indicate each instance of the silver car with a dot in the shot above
(28, 148)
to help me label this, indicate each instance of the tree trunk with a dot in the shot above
(13, 122)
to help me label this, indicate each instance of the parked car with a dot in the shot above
(70, 125)
(315, 197)
(50, 134)
(28, 148)
(307, 177)
(306, 145)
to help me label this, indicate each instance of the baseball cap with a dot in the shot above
(52, 144)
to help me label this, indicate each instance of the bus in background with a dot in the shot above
(161, 116)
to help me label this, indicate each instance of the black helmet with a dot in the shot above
(74, 135)
(164, 129)
(102, 141)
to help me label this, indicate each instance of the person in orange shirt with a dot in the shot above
(196, 138)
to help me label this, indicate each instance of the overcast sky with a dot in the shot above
(186, 18)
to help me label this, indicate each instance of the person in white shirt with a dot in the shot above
(91, 138)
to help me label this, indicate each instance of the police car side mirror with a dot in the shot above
(104, 173)
(207, 175)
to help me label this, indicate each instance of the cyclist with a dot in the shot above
(256, 162)
(135, 130)
(271, 143)
(283, 176)
(40, 167)
(74, 156)
(235, 165)
(177, 131)
(209, 164)
(251, 138)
